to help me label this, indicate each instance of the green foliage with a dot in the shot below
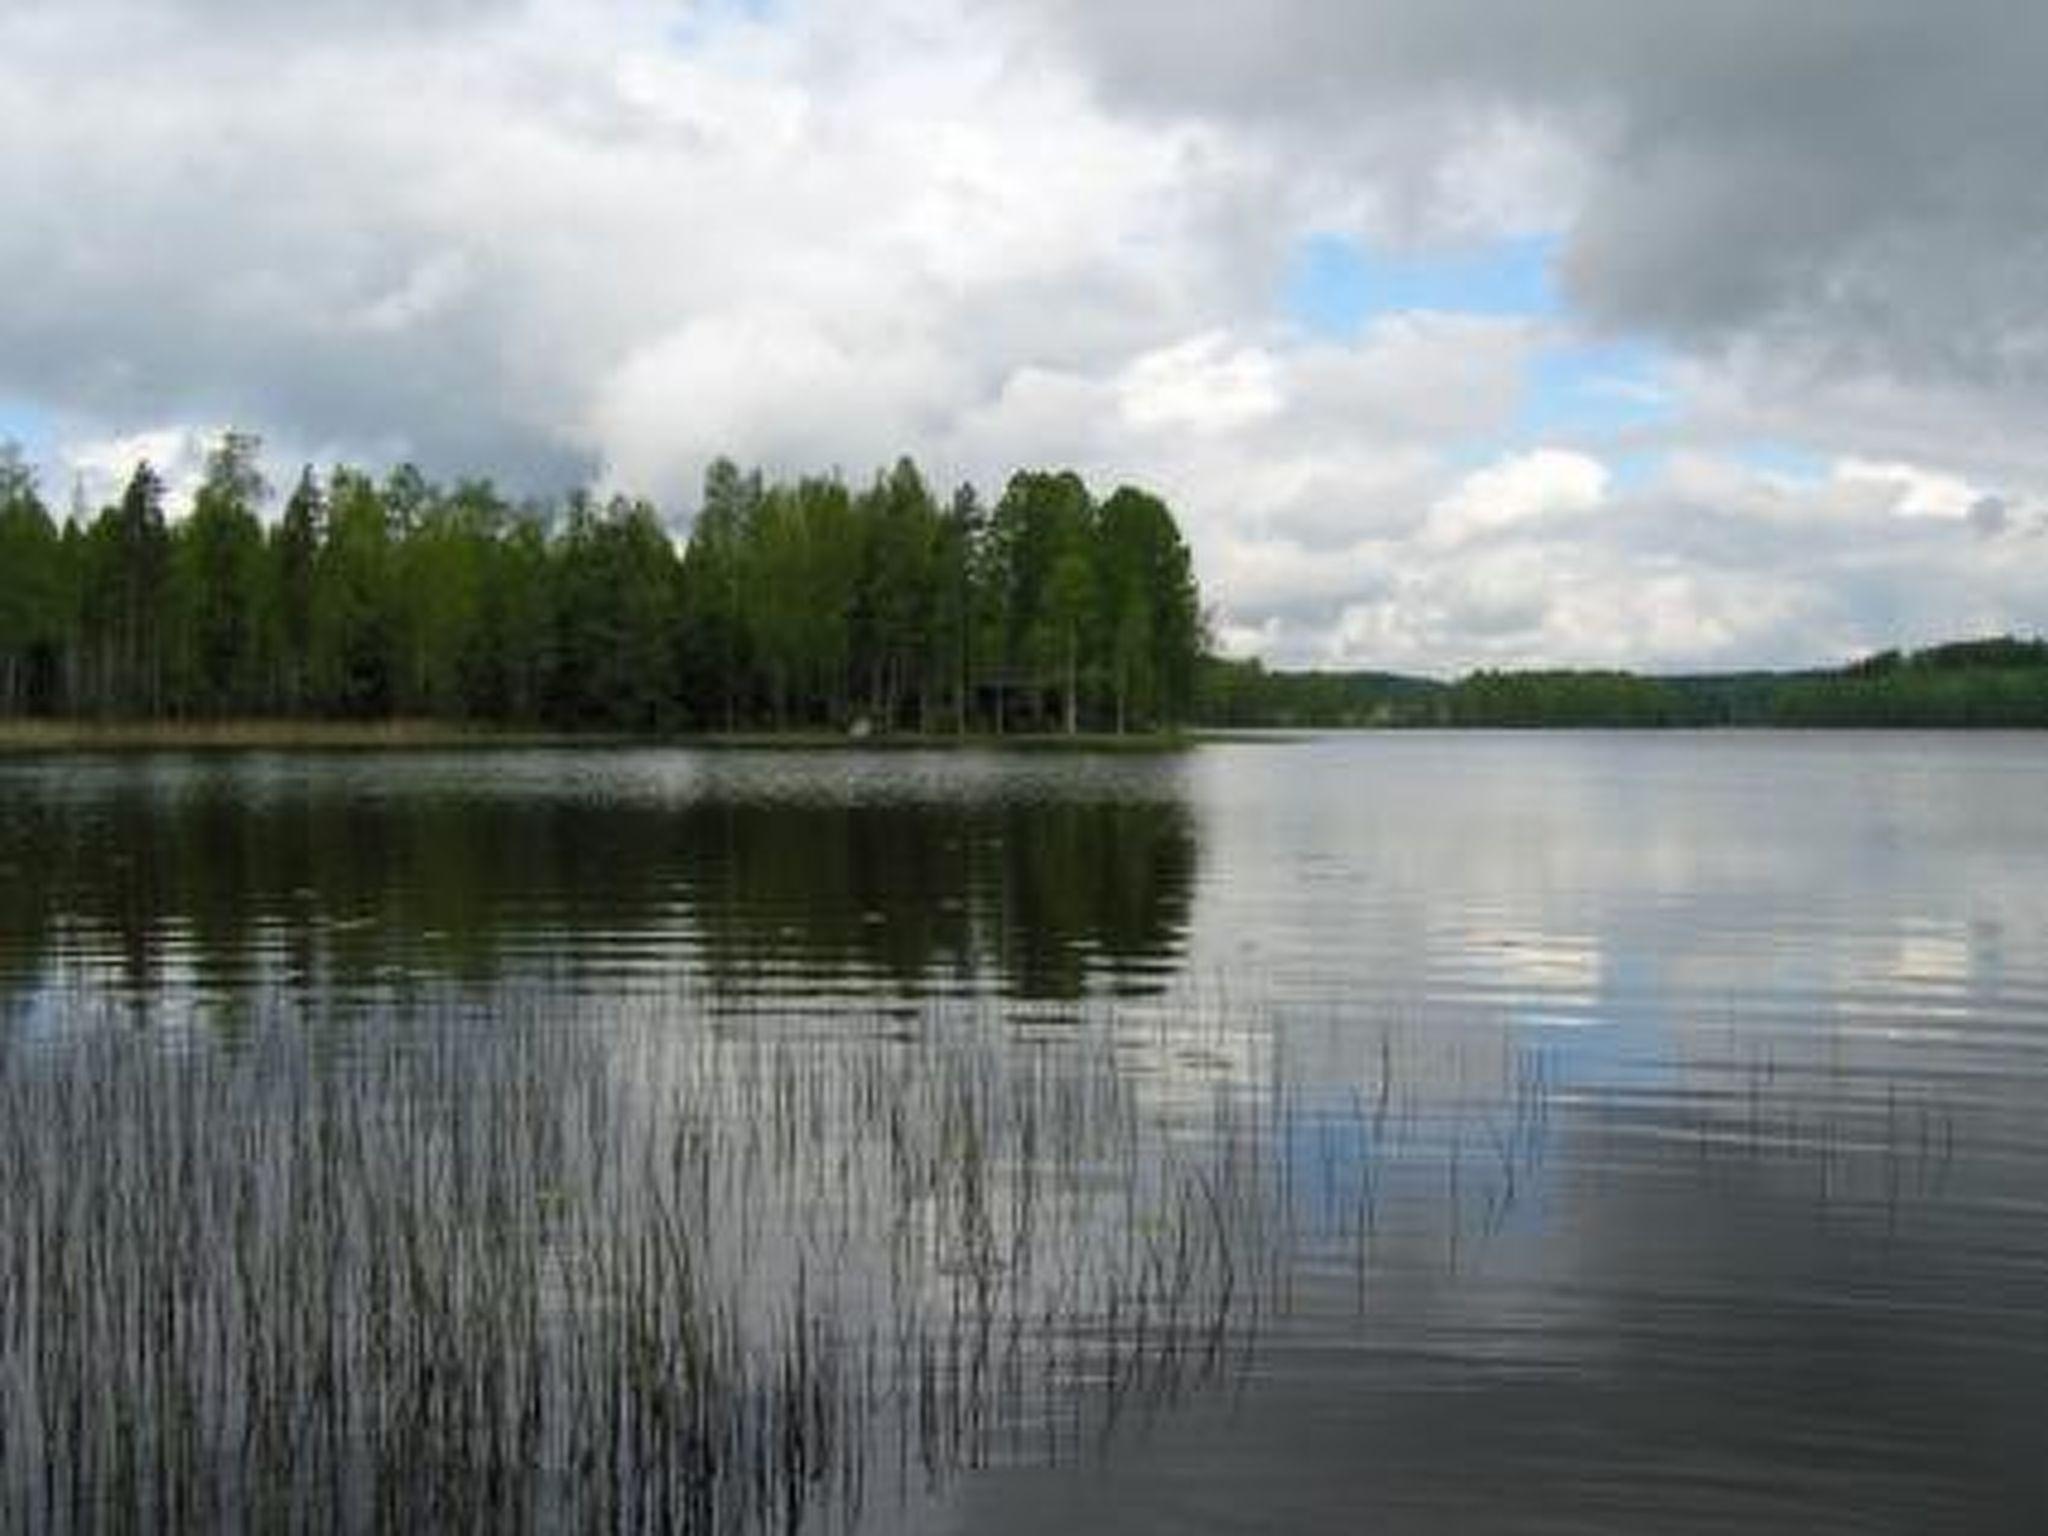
(807, 605)
(1975, 684)
(1979, 683)
(1245, 695)
(513, 662)
(791, 605)
(355, 602)
(616, 582)
(125, 595)
(1047, 527)
(32, 591)
(1150, 607)
(1562, 699)
(294, 549)
(220, 578)
(716, 658)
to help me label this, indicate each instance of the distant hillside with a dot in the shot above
(1970, 684)
(1244, 694)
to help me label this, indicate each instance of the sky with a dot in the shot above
(1596, 333)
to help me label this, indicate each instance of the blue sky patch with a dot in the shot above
(1774, 458)
(701, 21)
(22, 423)
(1594, 390)
(1336, 285)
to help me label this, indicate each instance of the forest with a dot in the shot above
(808, 605)
(1992, 683)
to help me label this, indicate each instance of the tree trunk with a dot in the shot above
(960, 695)
(1073, 667)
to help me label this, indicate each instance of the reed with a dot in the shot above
(537, 1275)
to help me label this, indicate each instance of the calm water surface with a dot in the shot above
(1660, 1123)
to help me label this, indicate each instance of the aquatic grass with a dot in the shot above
(648, 1268)
(543, 1275)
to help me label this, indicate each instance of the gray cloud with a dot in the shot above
(1857, 183)
(1990, 516)
(217, 230)
(552, 237)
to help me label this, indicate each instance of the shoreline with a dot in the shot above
(30, 736)
(25, 737)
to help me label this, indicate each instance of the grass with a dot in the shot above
(473, 1268)
(507, 1275)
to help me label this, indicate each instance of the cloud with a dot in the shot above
(473, 237)
(1989, 516)
(1203, 385)
(1911, 491)
(1845, 193)
(777, 386)
(1713, 563)
(97, 470)
(1542, 483)
(561, 240)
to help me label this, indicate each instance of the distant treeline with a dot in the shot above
(1977, 683)
(806, 604)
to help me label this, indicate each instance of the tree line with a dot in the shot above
(791, 605)
(2000, 682)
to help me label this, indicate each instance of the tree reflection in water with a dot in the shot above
(227, 881)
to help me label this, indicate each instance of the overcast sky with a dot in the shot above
(1458, 332)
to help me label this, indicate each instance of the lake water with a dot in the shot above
(1652, 1130)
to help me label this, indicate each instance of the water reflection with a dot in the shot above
(1647, 1130)
(329, 880)
(1038, 896)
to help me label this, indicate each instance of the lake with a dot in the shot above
(1404, 1132)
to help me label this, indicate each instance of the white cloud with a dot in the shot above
(1910, 490)
(776, 386)
(1203, 384)
(96, 470)
(1542, 483)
